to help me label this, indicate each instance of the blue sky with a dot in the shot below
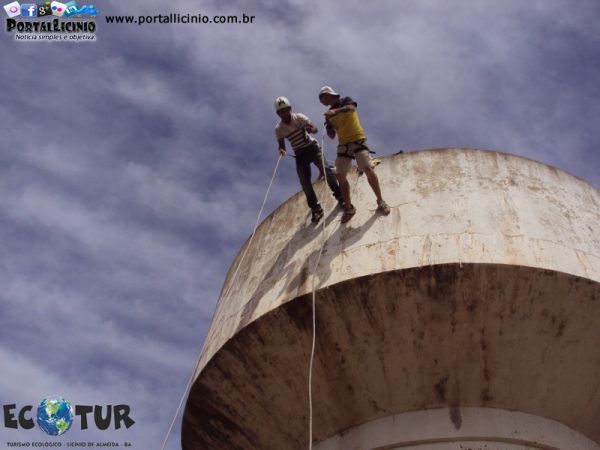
(132, 169)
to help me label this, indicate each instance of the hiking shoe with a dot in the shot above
(383, 207)
(348, 213)
(317, 214)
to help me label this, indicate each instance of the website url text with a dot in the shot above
(181, 18)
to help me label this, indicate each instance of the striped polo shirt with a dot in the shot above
(295, 131)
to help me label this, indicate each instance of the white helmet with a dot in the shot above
(281, 103)
(328, 90)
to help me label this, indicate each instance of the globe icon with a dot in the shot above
(55, 415)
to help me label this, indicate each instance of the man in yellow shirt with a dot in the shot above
(342, 119)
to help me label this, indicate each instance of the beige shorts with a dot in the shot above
(359, 150)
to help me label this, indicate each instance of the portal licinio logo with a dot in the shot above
(51, 21)
(55, 416)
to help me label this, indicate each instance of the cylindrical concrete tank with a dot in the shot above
(469, 318)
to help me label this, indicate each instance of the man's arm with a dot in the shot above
(282, 150)
(311, 128)
(306, 123)
(330, 130)
(348, 106)
(342, 110)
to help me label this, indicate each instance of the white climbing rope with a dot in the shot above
(314, 308)
(253, 231)
(191, 380)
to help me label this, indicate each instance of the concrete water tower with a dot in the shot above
(469, 318)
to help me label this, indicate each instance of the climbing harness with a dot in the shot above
(191, 380)
(351, 148)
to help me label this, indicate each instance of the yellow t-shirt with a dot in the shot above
(346, 125)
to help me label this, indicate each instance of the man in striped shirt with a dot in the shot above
(295, 128)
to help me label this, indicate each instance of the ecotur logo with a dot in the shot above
(50, 21)
(55, 415)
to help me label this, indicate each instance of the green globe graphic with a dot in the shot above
(55, 415)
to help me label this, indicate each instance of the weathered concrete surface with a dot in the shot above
(482, 288)
(481, 429)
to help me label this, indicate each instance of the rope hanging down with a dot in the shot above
(314, 309)
(191, 380)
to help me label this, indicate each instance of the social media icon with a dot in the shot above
(44, 10)
(13, 9)
(58, 9)
(29, 10)
(71, 9)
